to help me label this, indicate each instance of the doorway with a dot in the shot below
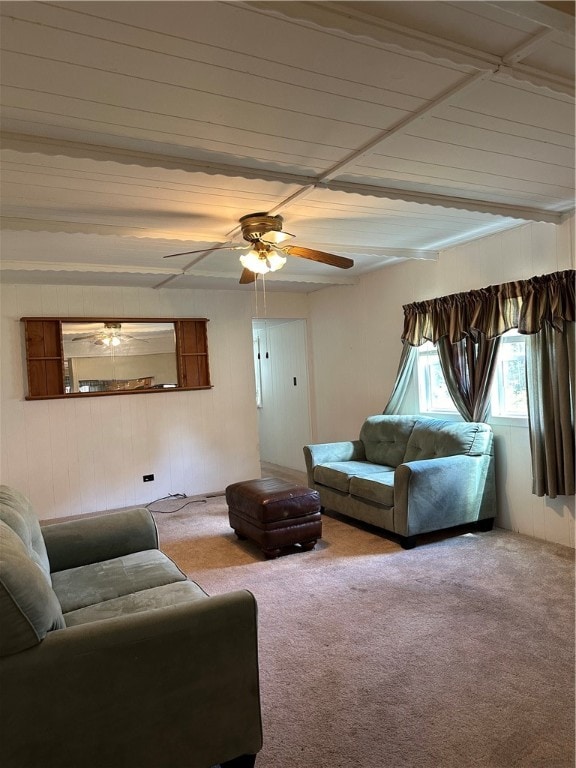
(282, 391)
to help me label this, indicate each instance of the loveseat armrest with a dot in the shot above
(432, 494)
(322, 453)
(172, 686)
(92, 539)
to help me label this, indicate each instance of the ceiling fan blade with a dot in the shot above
(247, 276)
(320, 256)
(125, 337)
(208, 248)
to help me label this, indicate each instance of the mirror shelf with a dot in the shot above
(97, 356)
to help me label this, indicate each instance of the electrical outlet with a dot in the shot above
(147, 478)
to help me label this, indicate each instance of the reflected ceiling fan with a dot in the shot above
(265, 238)
(110, 336)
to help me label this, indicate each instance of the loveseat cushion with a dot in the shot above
(337, 474)
(379, 487)
(145, 600)
(16, 511)
(29, 608)
(434, 438)
(90, 584)
(385, 438)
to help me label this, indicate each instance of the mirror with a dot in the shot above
(87, 356)
(108, 357)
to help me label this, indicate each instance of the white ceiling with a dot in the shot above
(379, 130)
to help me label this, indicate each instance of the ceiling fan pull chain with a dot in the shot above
(265, 316)
(256, 297)
(266, 354)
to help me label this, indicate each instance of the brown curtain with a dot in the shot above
(468, 367)
(550, 384)
(463, 324)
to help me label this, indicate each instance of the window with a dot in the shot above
(508, 394)
(433, 393)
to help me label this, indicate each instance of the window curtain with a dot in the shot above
(550, 386)
(405, 367)
(466, 327)
(468, 366)
(548, 317)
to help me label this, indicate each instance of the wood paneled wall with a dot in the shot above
(356, 348)
(81, 455)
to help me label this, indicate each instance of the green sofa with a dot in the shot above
(110, 657)
(408, 475)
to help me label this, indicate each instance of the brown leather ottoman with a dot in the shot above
(275, 514)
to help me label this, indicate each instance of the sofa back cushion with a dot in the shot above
(433, 438)
(16, 511)
(29, 607)
(385, 438)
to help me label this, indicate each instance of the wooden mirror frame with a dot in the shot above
(45, 355)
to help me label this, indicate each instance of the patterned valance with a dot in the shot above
(523, 304)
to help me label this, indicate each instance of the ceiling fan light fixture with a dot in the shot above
(254, 262)
(110, 337)
(275, 260)
(111, 341)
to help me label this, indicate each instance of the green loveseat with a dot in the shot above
(408, 475)
(110, 657)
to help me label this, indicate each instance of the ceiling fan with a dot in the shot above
(265, 238)
(109, 336)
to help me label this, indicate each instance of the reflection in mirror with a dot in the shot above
(108, 357)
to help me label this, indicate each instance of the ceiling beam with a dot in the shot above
(555, 15)
(526, 213)
(345, 20)
(42, 145)
(29, 224)
(36, 144)
(58, 266)
(280, 277)
(529, 46)
(416, 116)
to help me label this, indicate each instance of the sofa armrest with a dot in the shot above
(72, 543)
(172, 686)
(432, 494)
(321, 453)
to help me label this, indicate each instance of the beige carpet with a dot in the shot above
(458, 653)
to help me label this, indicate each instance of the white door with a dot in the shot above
(281, 365)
